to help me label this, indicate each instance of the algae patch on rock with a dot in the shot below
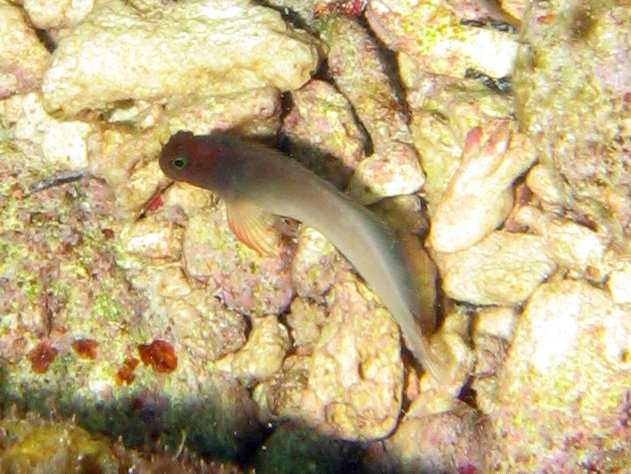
(563, 394)
(572, 85)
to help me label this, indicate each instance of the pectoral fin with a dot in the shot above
(253, 226)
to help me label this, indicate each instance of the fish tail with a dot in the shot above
(423, 352)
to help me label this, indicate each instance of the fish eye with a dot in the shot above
(179, 162)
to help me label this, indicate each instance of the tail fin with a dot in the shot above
(423, 352)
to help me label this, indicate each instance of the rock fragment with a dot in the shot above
(360, 74)
(58, 14)
(563, 394)
(581, 128)
(23, 58)
(571, 245)
(263, 353)
(480, 194)
(432, 34)
(452, 440)
(323, 133)
(502, 269)
(203, 47)
(619, 283)
(355, 380)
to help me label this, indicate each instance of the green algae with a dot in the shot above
(106, 307)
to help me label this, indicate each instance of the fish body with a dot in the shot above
(495, 10)
(241, 172)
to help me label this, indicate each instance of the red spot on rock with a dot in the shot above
(351, 8)
(108, 233)
(42, 356)
(85, 348)
(136, 403)
(467, 469)
(126, 373)
(160, 355)
(355, 7)
(155, 204)
(473, 138)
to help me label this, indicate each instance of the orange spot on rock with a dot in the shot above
(160, 355)
(126, 373)
(42, 355)
(545, 19)
(85, 348)
(17, 191)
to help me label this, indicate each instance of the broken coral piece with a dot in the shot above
(480, 195)
(431, 33)
(204, 47)
(503, 269)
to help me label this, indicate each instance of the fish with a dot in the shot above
(495, 10)
(256, 181)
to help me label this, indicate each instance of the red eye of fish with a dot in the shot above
(179, 162)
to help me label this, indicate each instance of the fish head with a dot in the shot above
(193, 159)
